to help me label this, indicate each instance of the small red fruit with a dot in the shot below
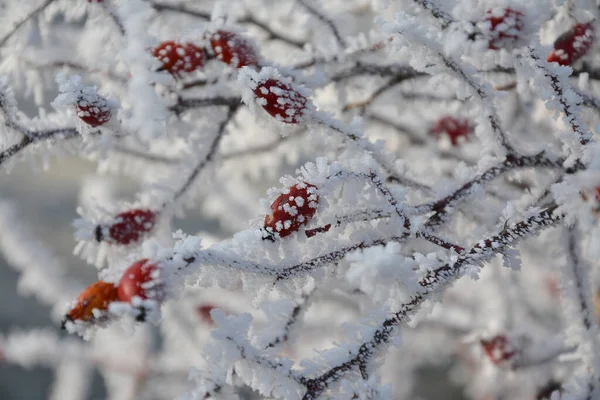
(598, 193)
(93, 110)
(292, 209)
(130, 227)
(572, 45)
(453, 127)
(140, 279)
(233, 49)
(179, 57)
(281, 101)
(204, 313)
(506, 26)
(499, 349)
(96, 296)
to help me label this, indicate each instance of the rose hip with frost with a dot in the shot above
(96, 296)
(130, 227)
(178, 58)
(292, 209)
(572, 45)
(233, 49)
(140, 280)
(453, 127)
(281, 101)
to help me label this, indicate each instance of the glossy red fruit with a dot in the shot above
(233, 49)
(96, 296)
(499, 349)
(506, 27)
(292, 209)
(281, 101)
(129, 228)
(93, 111)
(140, 280)
(453, 127)
(572, 45)
(178, 58)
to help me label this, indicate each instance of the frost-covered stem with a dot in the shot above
(434, 281)
(390, 84)
(155, 158)
(209, 155)
(19, 24)
(560, 89)
(389, 197)
(442, 16)
(261, 149)
(577, 291)
(184, 104)
(400, 73)
(295, 316)
(443, 207)
(249, 19)
(365, 145)
(326, 20)
(113, 15)
(485, 98)
(35, 137)
(367, 215)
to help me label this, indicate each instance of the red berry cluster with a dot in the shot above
(138, 280)
(281, 101)
(572, 45)
(499, 349)
(292, 209)
(179, 58)
(94, 112)
(130, 227)
(453, 127)
(506, 26)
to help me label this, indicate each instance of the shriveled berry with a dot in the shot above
(96, 296)
(572, 45)
(140, 280)
(292, 209)
(281, 101)
(499, 349)
(453, 127)
(506, 27)
(178, 58)
(233, 49)
(93, 111)
(130, 227)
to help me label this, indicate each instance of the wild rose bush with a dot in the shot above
(443, 210)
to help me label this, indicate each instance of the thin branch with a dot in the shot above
(435, 280)
(185, 104)
(19, 24)
(327, 21)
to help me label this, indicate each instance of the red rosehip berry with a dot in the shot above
(281, 101)
(499, 349)
(96, 296)
(598, 193)
(129, 228)
(233, 49)
(453, 127)
(178, 58)
(506, 27)
(140, 280)
(204, 313)
(93, 110)
(572, 45)
(292, 209)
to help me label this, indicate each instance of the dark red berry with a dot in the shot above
(233, 49)
(140, 280)
(96, 296)
(93, 110)
(506, 26)
(292, 209)
(453, 127)
(572, 45)
(499, 349)
(281, 101)
(178, 58)
(204, 313)
(130, 226)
